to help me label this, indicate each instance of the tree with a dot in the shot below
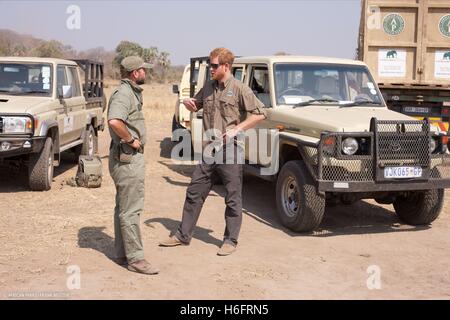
(150, 55)
(49, 49)
(19, 50)
(164, 62)
(125, 49)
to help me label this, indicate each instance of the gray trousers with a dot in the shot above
(130, 183)
(197, 192)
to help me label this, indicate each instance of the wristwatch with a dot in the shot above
(128, 142)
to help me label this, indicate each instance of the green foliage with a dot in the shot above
(49, 49)
(160, 60)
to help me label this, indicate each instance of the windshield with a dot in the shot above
(25, 79)
(301, 84)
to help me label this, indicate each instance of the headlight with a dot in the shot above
(17, 125)
(349, 146)
(433, 145)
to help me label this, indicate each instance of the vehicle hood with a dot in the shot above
(20, 104)
(317, 119)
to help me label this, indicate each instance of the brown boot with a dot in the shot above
(226, 249)
(172, 241)
(142, 266)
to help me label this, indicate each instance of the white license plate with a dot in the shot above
(402, 172)
(416, 109)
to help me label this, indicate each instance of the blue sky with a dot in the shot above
(193, 28)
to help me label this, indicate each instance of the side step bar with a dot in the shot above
(70, 145)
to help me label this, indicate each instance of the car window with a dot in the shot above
(25, 78)
(61, 79)
(237, 73)
(72, 80)
(259, 83)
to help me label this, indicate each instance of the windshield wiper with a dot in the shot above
(13, 93)
(360, 103)
(306, 103)
(35, 91)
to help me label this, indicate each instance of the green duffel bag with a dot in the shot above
(89, 174)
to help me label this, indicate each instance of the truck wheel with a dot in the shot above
(300, 207)
(40, 170)
(89, 146)
(420, 207)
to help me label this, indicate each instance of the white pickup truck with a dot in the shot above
(46, 108)
(336, 141)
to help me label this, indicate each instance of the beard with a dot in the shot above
(217, 76)
(140, 81)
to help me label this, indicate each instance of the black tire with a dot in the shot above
(299, 211)
(89, 146)
(40, 169)
(420, 207)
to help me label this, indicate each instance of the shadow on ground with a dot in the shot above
(95, 238)
(200, 233)
(15, 178)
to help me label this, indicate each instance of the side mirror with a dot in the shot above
(175, 89)
(65, 92)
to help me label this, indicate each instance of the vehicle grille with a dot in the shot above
(402, 143)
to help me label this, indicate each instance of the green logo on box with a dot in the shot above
(444, 25)
(393, 24)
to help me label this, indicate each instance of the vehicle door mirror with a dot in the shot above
(175, 89)
(67, 92)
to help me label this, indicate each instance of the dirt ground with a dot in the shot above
(46, 236)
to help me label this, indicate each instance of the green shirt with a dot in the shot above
(227, 104)
(126, 104)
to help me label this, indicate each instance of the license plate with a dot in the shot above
(416, 109)
(402, 172)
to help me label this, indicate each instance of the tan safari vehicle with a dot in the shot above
(337, 142)
(46, 107)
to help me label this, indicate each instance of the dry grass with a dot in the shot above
(159, 101)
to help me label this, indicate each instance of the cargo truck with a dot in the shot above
(406, 45)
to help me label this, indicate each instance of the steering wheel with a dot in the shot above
(15, 89)
(292, 91)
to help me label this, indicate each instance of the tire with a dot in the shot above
(420, 207)
(89, 146)
(299, 211)
(40, 169)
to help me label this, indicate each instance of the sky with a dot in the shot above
(192, 28)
